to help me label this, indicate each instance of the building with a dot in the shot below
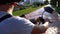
(32, 1)
(27, 1)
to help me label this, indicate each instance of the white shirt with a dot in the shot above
(15, 25)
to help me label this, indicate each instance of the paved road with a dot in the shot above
(37, 13)
(59, 17)
(33, 14)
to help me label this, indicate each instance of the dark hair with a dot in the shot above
(42, 20)
(8, 1)
(33, 21)
(23, 15)
(48, 9)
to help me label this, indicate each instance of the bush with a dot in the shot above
(22, 7)
(57, 9)
(36, 4)
(25, 6)
(28, 5)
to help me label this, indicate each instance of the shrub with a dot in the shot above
(57, 9)
(36, 4)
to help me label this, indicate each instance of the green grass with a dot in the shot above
(29, 10)
(24, 11)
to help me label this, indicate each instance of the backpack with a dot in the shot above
(5, 17)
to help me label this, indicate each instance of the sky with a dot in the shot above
(45, 0)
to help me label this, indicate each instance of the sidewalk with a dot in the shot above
(59, 16)
(35, 14)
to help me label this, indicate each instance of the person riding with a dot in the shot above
(10, 24)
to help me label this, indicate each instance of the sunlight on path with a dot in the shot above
(37, 13)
